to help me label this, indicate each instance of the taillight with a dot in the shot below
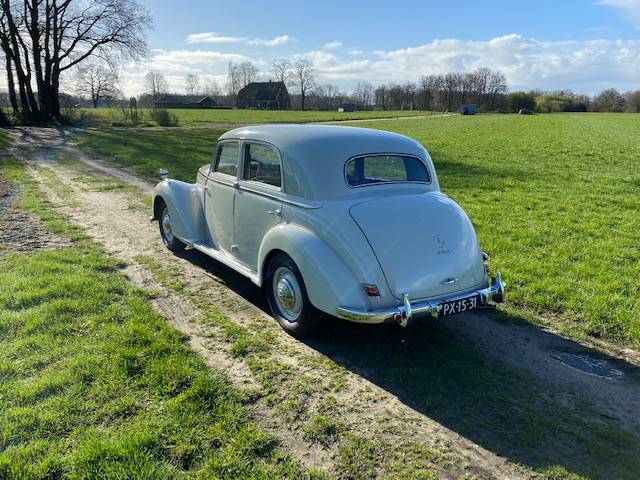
(371, 290)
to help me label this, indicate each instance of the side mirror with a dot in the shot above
(164, 173)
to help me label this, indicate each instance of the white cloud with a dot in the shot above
(274, 42)
(332, 45)
(167, 61)
(211, 37)
(355, 51)
(585, 66)
(630, 9)
(175, 64)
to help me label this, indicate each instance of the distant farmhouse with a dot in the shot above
(185, 101)
(264, 96)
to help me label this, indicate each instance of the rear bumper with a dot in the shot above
(404, 313)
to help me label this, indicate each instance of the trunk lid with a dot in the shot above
(424, 242)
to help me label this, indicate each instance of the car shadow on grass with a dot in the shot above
(506, 385)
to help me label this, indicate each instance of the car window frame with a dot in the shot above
(214, 164)
(241, 178)
(379, 154)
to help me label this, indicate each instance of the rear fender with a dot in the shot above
(328, 280)
(185, 204)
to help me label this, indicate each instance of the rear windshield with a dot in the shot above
(373, 169)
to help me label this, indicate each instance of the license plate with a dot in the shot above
(458, 306)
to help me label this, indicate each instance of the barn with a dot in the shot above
(185, 101)
(264, 96)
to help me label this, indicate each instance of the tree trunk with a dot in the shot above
(11, 86)
(54, 95)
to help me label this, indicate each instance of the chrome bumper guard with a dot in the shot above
(404, 313)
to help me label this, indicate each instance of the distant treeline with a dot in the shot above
(485, 88)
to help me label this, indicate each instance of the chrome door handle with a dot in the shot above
(277, 212)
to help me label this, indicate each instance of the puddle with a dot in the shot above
(586, 364)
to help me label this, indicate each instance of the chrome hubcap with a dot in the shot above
(166, 225)
(287, 293)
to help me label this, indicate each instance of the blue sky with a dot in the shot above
(582, 45)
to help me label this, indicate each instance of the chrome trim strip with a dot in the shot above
(227, 260)
(405, 312)
(283, 199)
(232, 184)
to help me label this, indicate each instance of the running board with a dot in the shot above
(228, 261)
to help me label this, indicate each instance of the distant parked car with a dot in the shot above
(343, 221)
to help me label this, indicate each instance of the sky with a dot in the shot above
(582, 45)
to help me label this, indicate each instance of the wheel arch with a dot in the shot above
(328, 280)
(184, 201)
(158, 204)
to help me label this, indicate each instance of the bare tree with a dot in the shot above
(496, 87)
(233, 80)
(248, 73)
(329, 96)
(381, 97)
(303, 78)
(609, 101)
(632, 102)
(96, 82)
(363, 93)
(430, 88)
(192, 84)
(212, 89)
(280, 68)
(43, 39)
(451, 89)
(155, 84)
(240, 75)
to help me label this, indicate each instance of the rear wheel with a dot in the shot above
(287, 296)
(166, 232)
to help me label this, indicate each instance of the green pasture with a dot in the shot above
(196, 117)
(555, 200)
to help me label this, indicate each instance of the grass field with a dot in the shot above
(554, 198)
(95, 384)
(195, 117)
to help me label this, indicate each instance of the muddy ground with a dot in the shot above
(481, 395)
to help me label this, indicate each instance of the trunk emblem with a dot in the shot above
(449, 281)
(440, 245)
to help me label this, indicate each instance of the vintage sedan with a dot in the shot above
(343, 221)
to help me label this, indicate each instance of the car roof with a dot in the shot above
(314, 155)
(291, 135)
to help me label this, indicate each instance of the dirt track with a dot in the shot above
(373, 400)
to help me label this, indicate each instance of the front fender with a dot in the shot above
(185, 204)
(329, 281)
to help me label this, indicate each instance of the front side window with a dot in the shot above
(372, 169)
(262, 164)
(227, 159)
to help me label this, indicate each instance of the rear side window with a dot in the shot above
(228, 157)
(262, 164)
(372, 169)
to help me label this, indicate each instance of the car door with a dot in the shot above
(220, 195)
(258, 206)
